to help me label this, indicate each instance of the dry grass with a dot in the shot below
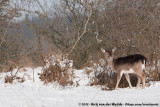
(10, 79)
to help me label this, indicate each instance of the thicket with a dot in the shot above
(132, 26)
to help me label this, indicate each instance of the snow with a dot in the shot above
(35, 94)
(81, 78)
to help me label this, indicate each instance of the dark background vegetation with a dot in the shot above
(132, 26)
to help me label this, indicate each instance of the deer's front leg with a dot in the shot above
(118, 80)
(128, 79)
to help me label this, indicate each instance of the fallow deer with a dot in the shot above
(125, 65)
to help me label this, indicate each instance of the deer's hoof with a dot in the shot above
(115, 88)
(137, 88)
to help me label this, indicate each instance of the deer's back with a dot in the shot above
(131, 59)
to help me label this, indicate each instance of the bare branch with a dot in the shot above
(5, 33)
(84, 31)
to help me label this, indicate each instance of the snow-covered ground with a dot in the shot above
(36, 94)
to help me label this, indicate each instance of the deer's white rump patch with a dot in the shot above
(143, 66)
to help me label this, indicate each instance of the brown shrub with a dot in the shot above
(153, 75)
(55, 73)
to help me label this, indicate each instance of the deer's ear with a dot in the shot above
(102, 50)
(114, 49)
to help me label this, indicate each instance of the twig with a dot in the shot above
(5, 33)
(84, 31)
(17, 62)
(33, 75)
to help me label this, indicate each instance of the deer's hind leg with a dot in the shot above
(143, 80)
(138, 83)
(142, 76)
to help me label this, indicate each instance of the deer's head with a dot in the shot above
(109, 55)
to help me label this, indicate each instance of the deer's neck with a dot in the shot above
(111, 64)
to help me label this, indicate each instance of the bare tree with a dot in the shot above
(131, 26)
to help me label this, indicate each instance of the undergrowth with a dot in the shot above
(57, 71)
